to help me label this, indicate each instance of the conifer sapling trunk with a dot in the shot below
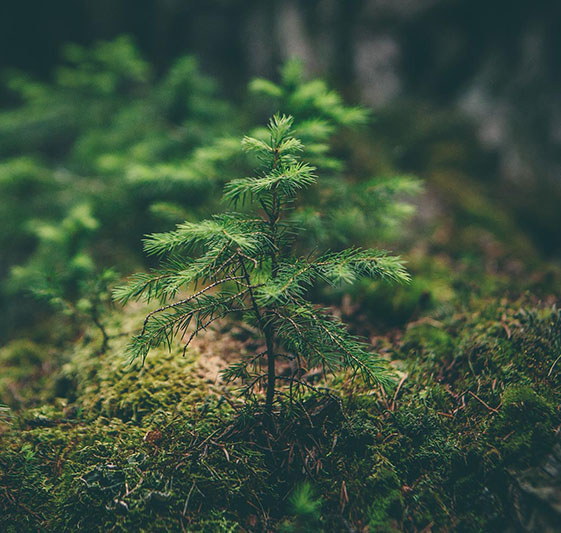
(244, 264)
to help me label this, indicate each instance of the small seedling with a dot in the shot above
(245, 264)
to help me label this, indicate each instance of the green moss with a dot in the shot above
(524, 429)
(392, 305)
(385, 512)
(22, 353)
(128, 448)
(24, 367)
(109, 385)
(430, 339)
(165, 383)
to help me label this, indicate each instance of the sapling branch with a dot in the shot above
(190, 298)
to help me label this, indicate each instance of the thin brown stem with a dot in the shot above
(268, 341)
(104, 335)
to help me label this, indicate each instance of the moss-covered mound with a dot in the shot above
(110, 447)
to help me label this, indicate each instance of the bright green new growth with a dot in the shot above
(245, 264)
(349, 207)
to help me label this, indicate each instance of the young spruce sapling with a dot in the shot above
(246, 264)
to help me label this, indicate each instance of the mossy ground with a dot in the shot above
(90, 442)
(98, 445)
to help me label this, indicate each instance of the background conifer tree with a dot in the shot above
(245, 264)
(352, 206)
(82, 137)
(62, 272)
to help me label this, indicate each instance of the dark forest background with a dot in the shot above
(497, 64)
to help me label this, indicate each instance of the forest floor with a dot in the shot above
(90, 442)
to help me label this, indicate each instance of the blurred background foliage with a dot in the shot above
(121, 118)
